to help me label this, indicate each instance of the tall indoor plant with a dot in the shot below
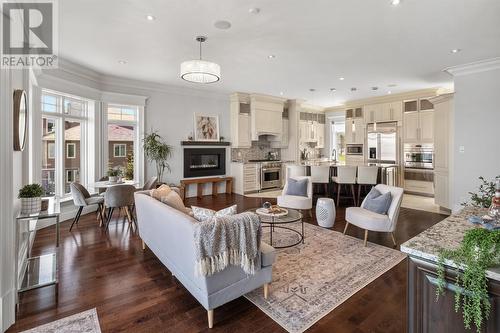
(158, 152)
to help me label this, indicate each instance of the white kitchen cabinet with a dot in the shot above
(304, 131)
(240, 121)
(282, 140)
(320, 135)
(355, 131)
(246, 177)
(411, 127)
(244, 139)
(426, 126)
(419, 127)
(372, 113)
(384, 112)
(265, 116)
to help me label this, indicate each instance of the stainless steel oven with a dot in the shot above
(353, 149)
(419, 156)
(270, 175)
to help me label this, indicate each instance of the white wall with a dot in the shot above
(476, 128)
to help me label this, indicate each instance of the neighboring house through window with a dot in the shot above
(71, 150)
(119, 150)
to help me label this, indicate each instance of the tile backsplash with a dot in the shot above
(258, 151)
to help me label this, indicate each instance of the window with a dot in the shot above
(123, 138)
(64, 122)
(51, 150)
(119, 150)
(71, 150)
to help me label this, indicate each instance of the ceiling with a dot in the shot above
(368, 42)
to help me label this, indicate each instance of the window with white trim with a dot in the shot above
(123, 139)
(120, 150)
(64, 127)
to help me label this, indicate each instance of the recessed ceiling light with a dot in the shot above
(254, 10)
(395, 2)
(354, 89)
(341, 78)
(122, 62)
(389, 92)
(333, 89)
(224, 25)
(150, 18)
(281, 93)
(455, 50)
(374, 88)
(312, 90)
(271, 56)
(392, 85)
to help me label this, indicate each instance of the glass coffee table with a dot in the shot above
(281, 222)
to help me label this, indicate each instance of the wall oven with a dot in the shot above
(419, 156)
(352, 149)
(270, 175)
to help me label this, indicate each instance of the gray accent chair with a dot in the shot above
(150, 184)
(82, 198)
(169, 234)
(119, 196)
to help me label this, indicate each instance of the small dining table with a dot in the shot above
(105, 184)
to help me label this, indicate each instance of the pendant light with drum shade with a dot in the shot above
(200, 71)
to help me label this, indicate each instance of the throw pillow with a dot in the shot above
(297, 187)
(377, 202)
(203, 214)
(174, 200)
(161, 192)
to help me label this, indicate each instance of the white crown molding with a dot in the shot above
(441, 98)
(474, 67)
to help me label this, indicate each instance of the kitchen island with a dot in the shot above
(425, 312)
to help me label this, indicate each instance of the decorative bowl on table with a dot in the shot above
(274, 210)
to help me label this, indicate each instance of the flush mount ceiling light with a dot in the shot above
(200, 71)
(271, 56)
(374, 88)
(341, 78)
(223, 25)
(333, 89)
(389, 92)
(455, 50)
(395, 2)
(122, 62)
(254, 10)
(354, 89)
(281, 93)
(150, 18)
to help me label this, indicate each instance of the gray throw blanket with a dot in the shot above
(227, 240)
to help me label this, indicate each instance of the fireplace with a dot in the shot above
(201, 162)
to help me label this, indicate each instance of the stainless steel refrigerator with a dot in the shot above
(382, 139)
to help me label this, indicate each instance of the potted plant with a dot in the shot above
(114, 174)
(31, 198)
(157, 152)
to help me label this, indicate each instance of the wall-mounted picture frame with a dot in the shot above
(20, 121)
(206, 127)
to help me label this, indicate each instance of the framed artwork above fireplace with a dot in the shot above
(206, 127)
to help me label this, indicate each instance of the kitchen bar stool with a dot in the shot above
(293, 171)
(367, 176)
(346, 175)
(321, 175)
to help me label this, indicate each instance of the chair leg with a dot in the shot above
(110, 214)
(339, 187)
(77, 218)
(210, 314)
(359, 193)
(393, 239)
(129, 216)
(345, 228)
(366, 236)
(353, 195)
(99, 215)
(266, 290)
(143, 245)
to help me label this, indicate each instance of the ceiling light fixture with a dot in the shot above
(281, 93)
(150, 18)
(333, 89)
(374, 88)
(389, 92)
(341, 78)
(200, 71)
(122, 62)
(223, 25)
(271, 56)
(395, 2)
(254, 10)
(392, 85)
(354, 89)
(455, 50)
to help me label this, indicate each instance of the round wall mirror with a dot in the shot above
(20, 119)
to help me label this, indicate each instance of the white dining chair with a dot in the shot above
(367, 176)
(295, 171)
(321, 175)
(346, 175)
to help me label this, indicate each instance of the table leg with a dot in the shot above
(303, 235)
(57, 231)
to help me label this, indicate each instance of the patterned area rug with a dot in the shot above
(83, 322)
(312, 279)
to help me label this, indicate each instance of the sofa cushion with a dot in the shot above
(377, 202)
(202, 214)
(160, 192)
(297, 187)
(174, 200)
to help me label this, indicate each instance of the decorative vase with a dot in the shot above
(31, 205)
(113, 179)
(325, 212)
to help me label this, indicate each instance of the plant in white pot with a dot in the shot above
(114, 174)
(31, 198)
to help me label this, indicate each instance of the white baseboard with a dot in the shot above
(8, 309)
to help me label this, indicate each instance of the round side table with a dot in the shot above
(325, 212)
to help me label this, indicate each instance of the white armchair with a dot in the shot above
(295, 201)
(371, 221)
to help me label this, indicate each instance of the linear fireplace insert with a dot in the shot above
(201, 162)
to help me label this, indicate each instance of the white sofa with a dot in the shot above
(169, 234)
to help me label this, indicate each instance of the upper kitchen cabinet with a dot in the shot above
(240, 121)
(282, 140)
(354, 113)
(418, 121)
(384, 112)
(355, 131)
(312, 128)
(266, 116)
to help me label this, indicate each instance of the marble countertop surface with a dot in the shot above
(334, 164)
(447, 234)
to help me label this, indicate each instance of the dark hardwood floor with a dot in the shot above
(134, 292)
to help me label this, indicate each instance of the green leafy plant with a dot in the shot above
(31, 191)
(157, 152)
(114, 172)
(484, 195)
(479, 250)
(129, 167)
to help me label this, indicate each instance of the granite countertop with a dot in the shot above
(334, 164)
(448, 234)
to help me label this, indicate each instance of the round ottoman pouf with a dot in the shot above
(325, 212)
